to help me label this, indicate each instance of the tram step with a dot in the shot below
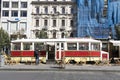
(50, 62)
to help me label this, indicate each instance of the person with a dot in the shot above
(36, 53)
(112, 60)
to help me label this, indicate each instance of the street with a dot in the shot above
(58, 75)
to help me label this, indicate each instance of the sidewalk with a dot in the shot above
(55, 67)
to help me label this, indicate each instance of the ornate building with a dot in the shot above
(56, 17)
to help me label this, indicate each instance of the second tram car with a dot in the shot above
(77, 49)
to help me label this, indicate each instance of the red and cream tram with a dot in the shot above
(78, 49)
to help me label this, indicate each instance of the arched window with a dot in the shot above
(71, 35)
(54, 34)
(37, 23)
(63, 35)
(63, 10)
(36, 33)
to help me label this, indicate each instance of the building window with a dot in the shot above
(72, 10)
(23, 13)
(14, 13)
(37, 23)
(5, 4)
(63, 35)
(63, 10)
(13, 27)
(5, 26)
(54, 35)
(71, 23)
(54, 9)
(37, 10)
(14, 4)
(45, 22)
(46, 10)
(5, 13)
(23, 4)
(63, 22)
(23, 26)
(54, 23)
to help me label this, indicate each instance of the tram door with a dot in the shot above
(51, 52)
(58, 50)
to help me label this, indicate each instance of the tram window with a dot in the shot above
(62, 46)
(83, 46)
(40, 46)
(16, 46)
(104, 46)
(72, 46)
(57, 46)
(95, 46)
(27, 46)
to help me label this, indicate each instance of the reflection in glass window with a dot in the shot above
(14, 4)
(95, 46)
(23, 13)
(16, 46)
(83, 46)
(5, 4)
(27, 46)
(14, 13)
(5, 13)
(23, 4)
(72, 46)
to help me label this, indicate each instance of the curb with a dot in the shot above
(73, 70)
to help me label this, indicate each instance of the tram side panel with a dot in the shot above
(82, 56)
(27, 56)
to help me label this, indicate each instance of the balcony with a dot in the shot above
(62, 29)
(52, 14)
(52, 2)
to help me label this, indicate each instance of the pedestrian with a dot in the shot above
(112, 60)
(36, 53)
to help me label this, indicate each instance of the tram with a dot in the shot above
(77, 49)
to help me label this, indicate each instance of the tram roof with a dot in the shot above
(115, 42)
(58, 40)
